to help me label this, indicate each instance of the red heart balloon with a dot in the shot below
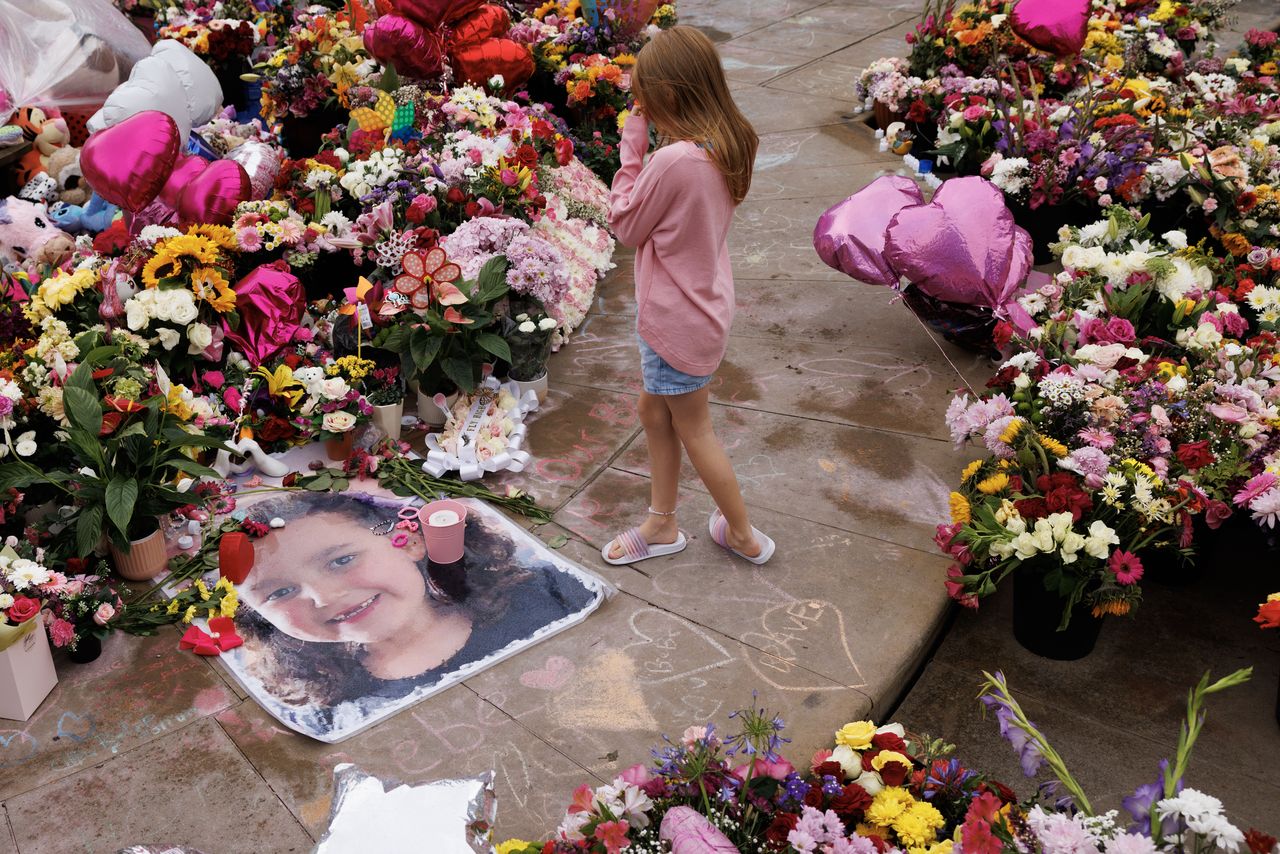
(476, 63)
(212, 195)
(128, 163)
(187, 168)
(1059, 27)
(395, 40)
(432, 13)
(484, 23)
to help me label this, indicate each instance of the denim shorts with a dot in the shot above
(661, 378)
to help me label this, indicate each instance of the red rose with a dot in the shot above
(852, 799)
(894, 773)
(23, 608)
(814, 797)
(867, 756)
(782, 825)
(564, 151)
(888, 741)
(829, 769)
(1259, 842)
(1195, 455)
(918, 111)
(455, 196)
(274, 429)
(1031, 508)
(527, 155)
(1062, 494)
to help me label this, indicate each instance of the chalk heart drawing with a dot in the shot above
(16, 747)
(799, 630)
(554, 674)
(75, 727)
(670, 649)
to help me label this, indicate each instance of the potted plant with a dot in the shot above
(528, 336)
(445, 325)
(124, 459)
(384, 389)
(334, 407)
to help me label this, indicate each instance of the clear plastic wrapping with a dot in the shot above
(68, 54)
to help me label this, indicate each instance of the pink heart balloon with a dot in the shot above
(432, 13)
(632, 15)
(394, 40)
(690, 832)
(1059, 27)
(128, 163)
(187, 168)
(212, 195)
(962, 247)
(850, 235)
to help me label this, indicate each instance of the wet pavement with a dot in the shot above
(830, 402)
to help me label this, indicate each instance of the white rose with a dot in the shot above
(182, 309)
(547, 323)
(871, 782)
(338, 422)
(850, 760)
(527, 327)
(334, 388)
(199, 337)
(136, 315)
(1175, 239)
(168, 338)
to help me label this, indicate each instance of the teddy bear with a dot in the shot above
(64, 167)
(29, 238)
(46, 131)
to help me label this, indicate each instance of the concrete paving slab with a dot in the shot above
(191, 787)
(723, 20)
(139, 690)
(753, 65)
(818, 606)
(605, 692)
(451, 735)
(824, 77)
(8, 845)
(771, 111)
(860, 20)
(801, 39)
(829, 145)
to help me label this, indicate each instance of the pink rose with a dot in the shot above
(764, 768)
(214, 379)
(104, 613)
(636, 775)
(1216, 513)
(972, 114)
(232, 398)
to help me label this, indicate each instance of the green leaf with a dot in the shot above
(88, 529)
(394, 338)
(17, 476)
(83, 408)
(424, 346)
(495, 345)
(320, 482)
(459, 372)
(559, 541)
(191, 467)
(491, 283)
(122, 495)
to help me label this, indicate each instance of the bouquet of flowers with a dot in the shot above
(333, 405)
(322, 58)
(529, 338)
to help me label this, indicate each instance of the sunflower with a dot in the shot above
(154, 269)
(223, 236)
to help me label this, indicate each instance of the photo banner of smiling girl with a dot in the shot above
(346, 620)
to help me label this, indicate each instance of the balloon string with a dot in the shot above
(929, 332)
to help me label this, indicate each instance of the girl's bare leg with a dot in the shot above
(664, 468)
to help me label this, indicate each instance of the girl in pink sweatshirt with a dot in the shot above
(676, 210)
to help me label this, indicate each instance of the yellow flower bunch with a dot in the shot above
(960, 512)
(353, 368)
(998, 482)
(199, 257)
(57, 291)
(916, 823)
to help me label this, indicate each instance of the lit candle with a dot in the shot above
(442, 519)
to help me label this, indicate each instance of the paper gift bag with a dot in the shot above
(26, 669)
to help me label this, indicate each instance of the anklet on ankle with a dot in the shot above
(660, 513)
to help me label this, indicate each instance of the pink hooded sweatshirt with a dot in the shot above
(676, 210)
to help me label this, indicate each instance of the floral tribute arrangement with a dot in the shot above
(1144, 111)
(882, 790)
(1135, 416)
(391, 229)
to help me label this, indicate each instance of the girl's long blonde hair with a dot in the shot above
(680, 86)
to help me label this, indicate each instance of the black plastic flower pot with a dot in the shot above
(88, 648)
(1036, 615)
